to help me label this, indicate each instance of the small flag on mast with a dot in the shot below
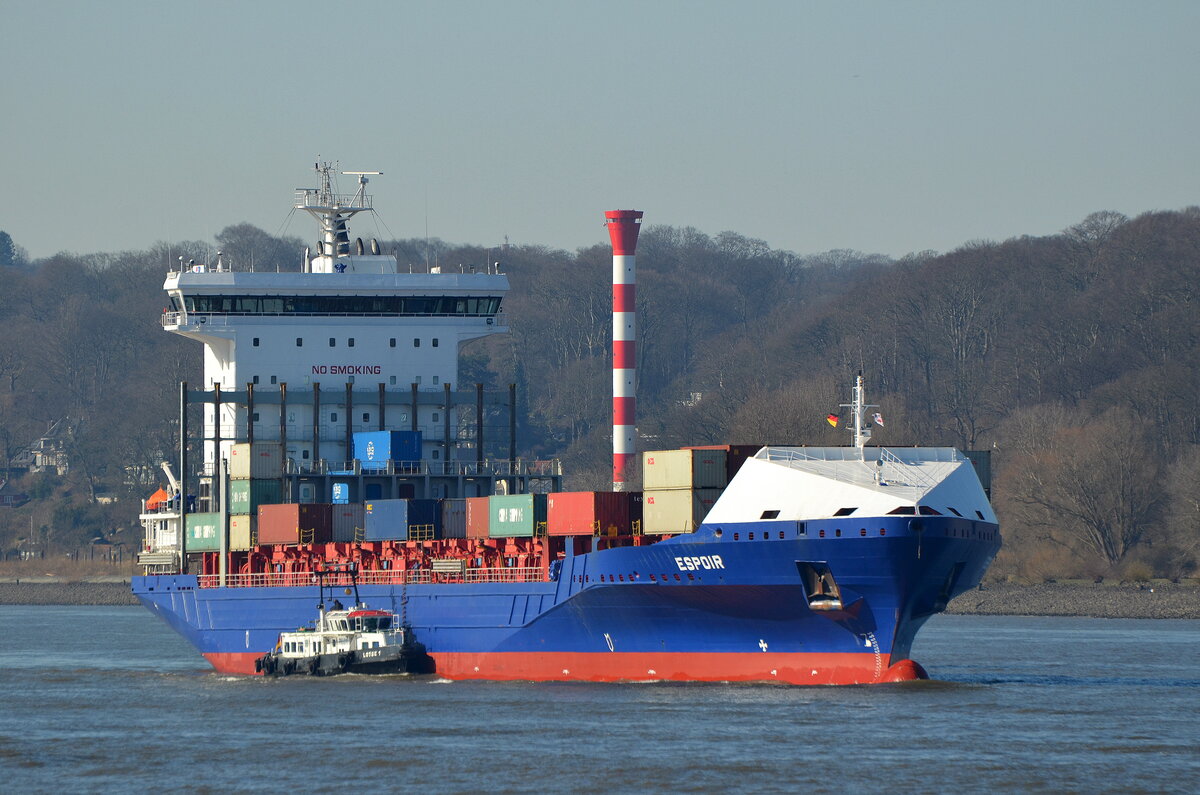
(878, 419)
(832, 419)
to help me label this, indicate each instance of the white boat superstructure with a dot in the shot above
(350, 319)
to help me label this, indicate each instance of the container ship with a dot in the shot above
(335, 438)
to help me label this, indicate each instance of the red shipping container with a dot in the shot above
(295, 523)
(477, 517)
(582, 513)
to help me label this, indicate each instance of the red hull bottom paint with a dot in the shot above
(794, 669)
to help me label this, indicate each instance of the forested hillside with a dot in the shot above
(1073, 357)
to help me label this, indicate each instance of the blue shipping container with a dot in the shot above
(375, 448)
(341, 493)
(401, 520)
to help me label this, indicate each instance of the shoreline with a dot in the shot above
(1082, 600)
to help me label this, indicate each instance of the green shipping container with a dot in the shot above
(684, 469)
(204, 532)
(516, 515)
(246, 495)
(676, 510)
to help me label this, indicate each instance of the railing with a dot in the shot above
(346, 201)
(300, 579)
(848, 465)
(499, 468)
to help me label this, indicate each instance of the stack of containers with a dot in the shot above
(516, 515)
(477, 517)
(254, 472)
(679, 488)
(295, 523)
(584, 513)
(401, 520)
(374, 449)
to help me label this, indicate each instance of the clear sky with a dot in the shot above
(885, 126)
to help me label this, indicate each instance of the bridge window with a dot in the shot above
(770, 515)
(956, 513)
(903, 510)
(928, 511)
(845, 511)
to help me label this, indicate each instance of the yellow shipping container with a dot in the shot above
(242, 535)
(676, 510)
(684, 469)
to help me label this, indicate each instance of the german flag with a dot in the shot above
(832, 419)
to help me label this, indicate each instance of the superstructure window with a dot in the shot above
(350, 342)
(299, 342)
(366, 417)
(903, 510)
(392, 342)
(435, 342)
(845, 511)
(416, 342)
(770, 515)
(256, 342)
(435, 305)
(332, 342)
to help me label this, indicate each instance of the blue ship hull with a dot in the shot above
(710, 606)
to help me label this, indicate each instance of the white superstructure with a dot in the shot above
(350, 317)
(791, 484)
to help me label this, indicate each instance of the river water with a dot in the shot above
(99, 699)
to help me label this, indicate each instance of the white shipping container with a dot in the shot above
(262, 460)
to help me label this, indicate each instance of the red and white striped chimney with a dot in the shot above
(623, 228)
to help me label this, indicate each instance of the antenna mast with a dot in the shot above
(858, 430)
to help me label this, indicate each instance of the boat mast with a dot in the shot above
(858, 406)
(333, 211)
